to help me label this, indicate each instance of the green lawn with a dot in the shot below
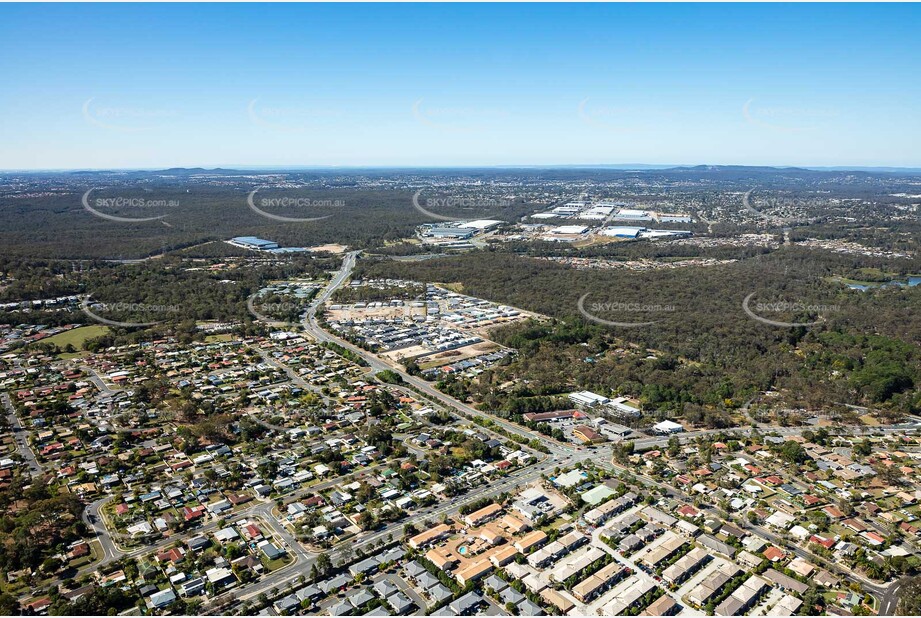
(76, 336)
(273, 565)
(216, 338)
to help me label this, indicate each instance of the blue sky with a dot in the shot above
(147, 86)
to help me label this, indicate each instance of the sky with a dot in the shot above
(99, 86)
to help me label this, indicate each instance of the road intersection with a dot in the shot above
(560, 455)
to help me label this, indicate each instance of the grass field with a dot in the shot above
(216, 338)
(76, 337)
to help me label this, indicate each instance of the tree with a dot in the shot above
(910, 598)
(863, 448)
(674, 446)
(51, 565)
(324, 564)
(793, 452)
(9, 605)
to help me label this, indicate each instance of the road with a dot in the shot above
(561, 455)
(889, 600)
(746, 202)
(292, 377)
(112, 551)
(281, 578)
(662, 441)
(313, 328)
(782, 221)
(886, 593)
(19, 436)
(98, 381)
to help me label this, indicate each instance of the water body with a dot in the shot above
(863, 287)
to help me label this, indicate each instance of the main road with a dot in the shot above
(19, 436)
(312, 326)
(561, 455)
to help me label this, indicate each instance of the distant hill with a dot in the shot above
(624, 167)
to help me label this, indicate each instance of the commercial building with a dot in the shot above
(483, 224)
(534, 504)
(630, 214)
(667, 427)
(253, 243)
(654, 234)
(459, 233)
(588, 398)
(625, 406)
(551, 417)
(623, 232)
(597, 494)
(566, 230)
(588, 435)
(673, 217)
(613, 430)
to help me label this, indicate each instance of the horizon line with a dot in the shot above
(587, 166)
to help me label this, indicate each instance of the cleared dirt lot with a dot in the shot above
(351, 313)
(452, 356)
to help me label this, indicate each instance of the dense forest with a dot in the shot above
(704, 352)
